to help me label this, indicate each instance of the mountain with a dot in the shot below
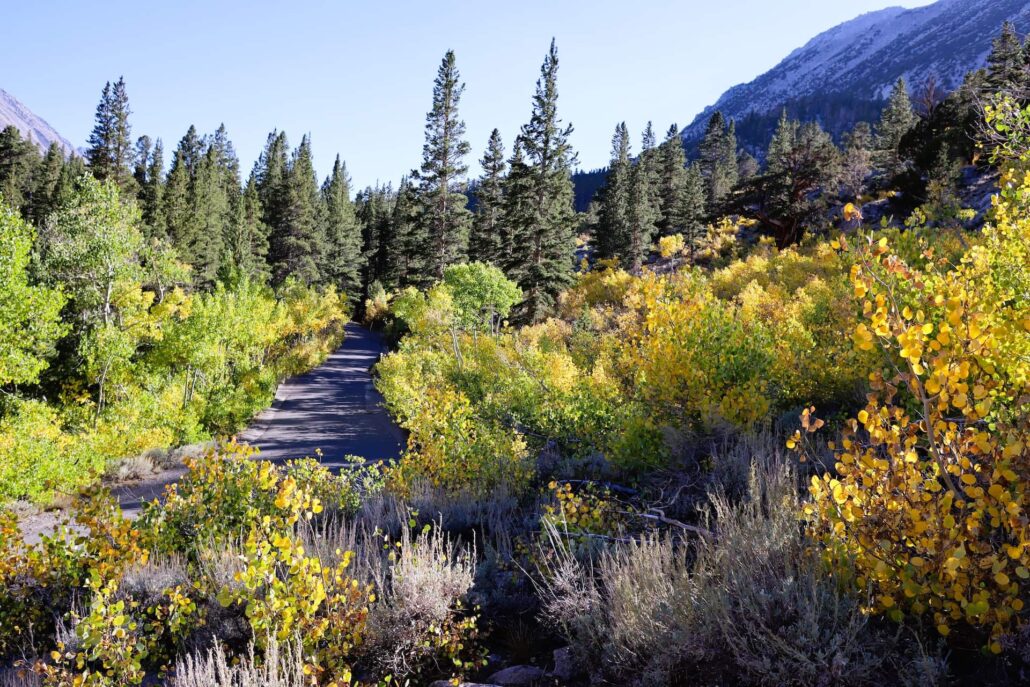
(843, 75)
(12, 111)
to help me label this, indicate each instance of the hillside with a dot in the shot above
(13, 111)
(842, 75)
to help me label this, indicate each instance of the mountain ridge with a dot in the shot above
(38, 130)
(852, 66)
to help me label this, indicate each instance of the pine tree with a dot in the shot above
(672, 180)
(857, 160)
(270, 176)
(543, 261)
(211, 208)
(443, 205)
(519, 204)
(297, 244)
(719, 159)
(643, 203)
(692, 210)
(485, 242)
(404, 261)
(246, 245)
(802, 171)
(613, 228)
(177, 202)
(898, 119)
(342, 264)
(46, 186)
(148, 175)
(375, 214)
(1005, 63)
(18, 161)
(110, 145)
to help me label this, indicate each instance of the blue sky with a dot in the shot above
(358, 76)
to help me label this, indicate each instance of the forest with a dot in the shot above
(751, 417)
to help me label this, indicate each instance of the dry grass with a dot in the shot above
(751, 604)
(19, 678)
(281, 666)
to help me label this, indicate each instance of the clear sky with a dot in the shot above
(358, 76)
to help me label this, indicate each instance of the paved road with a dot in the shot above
(335, 408)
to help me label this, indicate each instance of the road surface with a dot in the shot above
(335, 408)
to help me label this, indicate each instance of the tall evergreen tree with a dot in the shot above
(1006, 71)
(692, 210)
(672, 180)
(898, 119)
(46, 186)
(443, 203)
(643, 203)
(19, 159)
(485, 242)
(297, 243)
(110, 152)
(177, 202)
(404, 261)
(375, 214)
(212, 208)
(519, 204)
(270, 177)
(342, 264)
(246, 245)
(719, 159)
(613, 227)
(543, 264)
(148, 175)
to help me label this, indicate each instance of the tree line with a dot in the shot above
(916, 149)
(280, 223)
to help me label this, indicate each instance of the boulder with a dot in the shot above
(518, 676)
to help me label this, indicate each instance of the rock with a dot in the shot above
(564, 666)
(518, 676)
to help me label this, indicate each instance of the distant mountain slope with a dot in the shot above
(12, 111)
(843, 75)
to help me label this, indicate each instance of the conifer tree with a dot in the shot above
(672, 181)
(246, 245)
(1005, 64)
(296, 244)
(857, 160)
(643, 203)
(543, 262)
(404, 261)
(270, 177)
(613, 228)
(898, 119)
(375, 214)
(211, 207)
(485, 242)
(342, 264)
(148, 175)
(719, 159)
(46, 186)
(177, 203)
(443, 204)
(18, 161)
(110, 150)
(519, 203)
(692, 210)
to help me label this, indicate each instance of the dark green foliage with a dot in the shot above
(802, 170)
(19, 159)
(443, 211)
(681, 192)
(897, 120)
(246, 242)
(643, 206)
(382, 261)
(297, 242)
(856, 159)
(519, 203)
(110, 152)
(1006, 66)
(342, 264)
(486, 240)
(148, 174)
(612, 235)
(46, 185)
(270, 175)
(543, 227)
(718, 159)
(405, 258)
